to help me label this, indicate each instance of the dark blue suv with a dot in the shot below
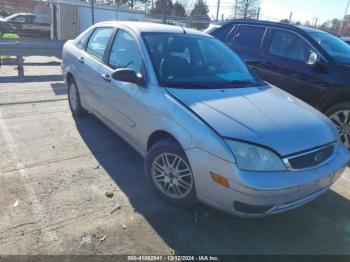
(310, 64)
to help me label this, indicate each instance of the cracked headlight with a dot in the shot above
(255, 158)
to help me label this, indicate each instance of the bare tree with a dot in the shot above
(132, 4)
(246, 9)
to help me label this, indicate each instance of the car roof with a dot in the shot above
(142, 27)
(23, 14)
(275, 24)
(310, 29)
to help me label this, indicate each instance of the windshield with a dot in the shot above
(335, 47)
(182, 60)
(8, 18)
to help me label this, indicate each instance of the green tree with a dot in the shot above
(200, 12)
(178, 10)
(158, 8)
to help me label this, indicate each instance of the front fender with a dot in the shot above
(194, 134)
(171, 126)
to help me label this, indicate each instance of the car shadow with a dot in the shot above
(322, 227)
(59, 88)
(36, 78)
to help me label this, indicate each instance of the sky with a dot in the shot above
(303, 10)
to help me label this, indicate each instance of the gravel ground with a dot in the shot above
(70, 186)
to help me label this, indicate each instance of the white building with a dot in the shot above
(74, 16)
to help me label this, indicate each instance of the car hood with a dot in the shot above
(263, 115)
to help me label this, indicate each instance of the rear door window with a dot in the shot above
(98, 42)
(289, 45)
(30, 19)
(248, 36)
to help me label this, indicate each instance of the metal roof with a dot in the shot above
(141, 27)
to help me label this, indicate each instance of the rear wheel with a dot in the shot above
(74, 99)
(170, 174)
(340, 116)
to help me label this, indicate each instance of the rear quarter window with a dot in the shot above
(82, 39)
(221, 33)
(248, 36)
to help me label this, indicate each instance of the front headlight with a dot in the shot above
(254, 158)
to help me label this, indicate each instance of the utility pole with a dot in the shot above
(217, 11)
(258, 14)
(92, 11)
(236, 10)
(54, 20)
(165, 3)
(316, 22)
(342, 21)
(291, 15)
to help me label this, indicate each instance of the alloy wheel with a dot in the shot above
(341, 119)
(172, 175)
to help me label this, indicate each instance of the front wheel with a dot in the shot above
(170, 174)
(340, 116)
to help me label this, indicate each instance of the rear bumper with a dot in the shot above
(256, 194)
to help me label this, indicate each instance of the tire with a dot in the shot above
(340, 115)
(74, 99)
(180, 188)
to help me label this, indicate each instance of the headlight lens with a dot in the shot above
(254, 158)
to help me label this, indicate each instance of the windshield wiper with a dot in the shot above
(214, 85)
(240, 83)
(187, 84)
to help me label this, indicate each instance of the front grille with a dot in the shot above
(312, 158)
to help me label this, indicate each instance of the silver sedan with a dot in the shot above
(208, 127)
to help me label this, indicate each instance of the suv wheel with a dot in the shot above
(74, 99)
(170, 174)
(340, 116)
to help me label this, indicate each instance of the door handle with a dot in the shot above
(107, 77)
(81, 60)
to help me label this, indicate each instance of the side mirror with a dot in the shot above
(312, 59)
(128, 75)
